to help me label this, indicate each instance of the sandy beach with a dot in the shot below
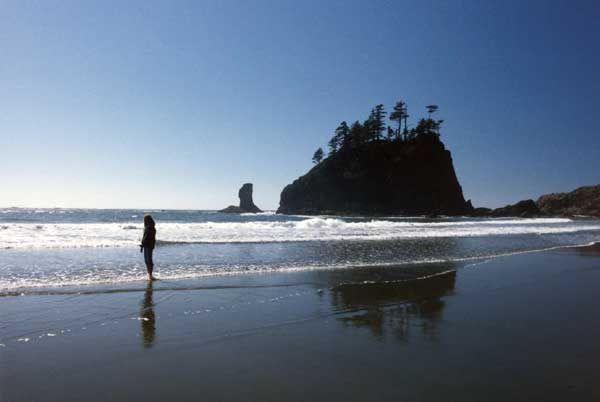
(520, 328)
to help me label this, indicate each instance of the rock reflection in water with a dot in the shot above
(393, 306)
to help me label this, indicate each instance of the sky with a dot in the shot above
(176, 104)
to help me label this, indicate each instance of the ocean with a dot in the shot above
(55, 250)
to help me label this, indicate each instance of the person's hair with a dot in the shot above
(148, 221)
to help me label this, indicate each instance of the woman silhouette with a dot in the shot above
(148, 242)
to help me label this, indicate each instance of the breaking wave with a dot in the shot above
(76, 235)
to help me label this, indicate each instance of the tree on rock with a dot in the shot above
(343, 134)
(391, 134)
(357, 135)
(375, 124)
(378, 121)
(431, 109)
(428, 127)
(397, 115)
(333, 145)
(340, 139)
(318, 156)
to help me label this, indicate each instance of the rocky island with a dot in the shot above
(246, 202)
(373, 171)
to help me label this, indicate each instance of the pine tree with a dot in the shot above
(397, 115)
(357, 135)
(427, 127)
(340, 139)
(333, 145)
(391, 134)
(431, 109)
(318, 156)
(378, 121)
(343, 134)
(405, 116)
(369, 127)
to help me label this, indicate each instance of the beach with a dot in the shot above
(296, 201)
(522, 327)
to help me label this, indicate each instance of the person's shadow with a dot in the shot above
(148, 319)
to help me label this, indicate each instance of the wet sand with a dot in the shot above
(518, 328)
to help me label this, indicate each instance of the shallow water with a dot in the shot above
(43, 249)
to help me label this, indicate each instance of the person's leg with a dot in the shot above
(149, 262)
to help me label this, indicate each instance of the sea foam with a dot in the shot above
(75, 235)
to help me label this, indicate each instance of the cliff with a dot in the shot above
(380, 177)
(582, 201)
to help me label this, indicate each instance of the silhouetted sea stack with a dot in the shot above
(413, 177)
(246, 202)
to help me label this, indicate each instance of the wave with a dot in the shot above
(263, 213)
(76, 235)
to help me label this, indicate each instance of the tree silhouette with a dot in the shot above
(357, 135)
(374, 127)
(333, 145)
(340, 139)
(369, 127)
(342, 133)
(378, 122)
(391, 134)
(431, 109)
(398, 115)
(375, 124)
(318, 156)
(427, 127)
(406, 116)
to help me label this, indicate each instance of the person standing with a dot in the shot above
(148, 243)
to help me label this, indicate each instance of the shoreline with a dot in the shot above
(113, 287)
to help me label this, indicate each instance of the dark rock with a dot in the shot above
(414, 177)
(582, 201)
(524, 209)
(232, 209)
(246, 202)
(481, 211)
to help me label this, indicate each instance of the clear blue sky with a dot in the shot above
(175, 104)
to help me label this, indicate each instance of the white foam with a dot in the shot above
(71, 235)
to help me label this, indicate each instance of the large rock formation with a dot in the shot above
(246, 202)
(391, 177)
(582, 201)
(523, 209)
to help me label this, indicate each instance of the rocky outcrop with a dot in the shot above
(523, 209)
(482, 212)
(582, 201)
(381, 177)
(246, 202)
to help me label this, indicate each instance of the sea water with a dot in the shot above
(46, 249)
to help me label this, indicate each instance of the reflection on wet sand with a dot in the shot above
(394, 306)
(592, 250)
(148, 319)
